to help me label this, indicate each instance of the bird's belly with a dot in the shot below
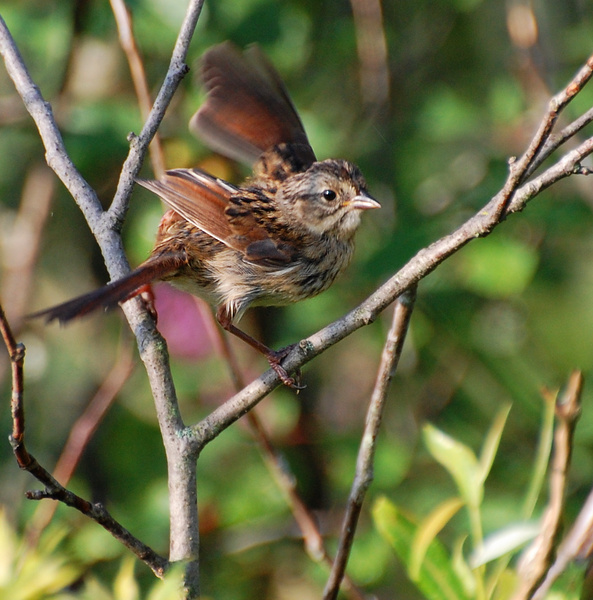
(231, 281)
(286, 285)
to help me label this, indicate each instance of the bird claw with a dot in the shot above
(275, 358)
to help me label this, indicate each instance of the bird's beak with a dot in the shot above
(363, 202)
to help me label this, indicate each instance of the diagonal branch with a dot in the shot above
(513, 197)
(421, 265)
(53, 489)
(366, 453)
(123, 19)
(139, 144)
(557, 139)
(183, 444)
(520, 169)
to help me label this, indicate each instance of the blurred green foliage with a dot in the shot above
(502, 319)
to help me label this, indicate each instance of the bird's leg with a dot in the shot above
(146, 294)
(274, 357)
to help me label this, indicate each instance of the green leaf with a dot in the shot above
(462, 568)
(436, 578)
(427, 531)
(95, 590)
(459, 460)
(542, 457)
(125, 586)
(492, 442)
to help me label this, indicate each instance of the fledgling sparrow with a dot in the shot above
(282, 236)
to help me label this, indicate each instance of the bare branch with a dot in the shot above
(421, 265)
(53, 489)
(520, 169)
(557, 139)
(512, 198)
(366, 453)
(41, 111)
(536, 561)
(182, 443)
(138, 145)
(128, 43)
(181, 457)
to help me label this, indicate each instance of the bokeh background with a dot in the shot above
(430, 100)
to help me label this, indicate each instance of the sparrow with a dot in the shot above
(282, 236)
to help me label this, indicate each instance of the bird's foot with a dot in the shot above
(275, 358)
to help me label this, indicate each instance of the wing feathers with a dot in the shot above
(203, 200)
(198, 197)
(248, 109)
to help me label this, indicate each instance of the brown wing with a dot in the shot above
(203, 200)
(248, 110)
(198, 197)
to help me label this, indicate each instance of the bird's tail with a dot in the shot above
(115, 292)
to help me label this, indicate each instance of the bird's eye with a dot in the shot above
(329, 195)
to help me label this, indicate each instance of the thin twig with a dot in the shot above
(557, 139)
(53, 489)
(127, 40)
(139, 144)
(421, 265)
(283, 477)
(16, 353)
(181, 456)
(366, 453)
(183, 444)
(536, 561)
(519, 168)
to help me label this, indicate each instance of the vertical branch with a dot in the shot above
(139, 144)
(16, 352)
(285, 480)
(181, 454)
(128, 43)
(372, 52)
(105, 226)
(366, 453)
(536, 561)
